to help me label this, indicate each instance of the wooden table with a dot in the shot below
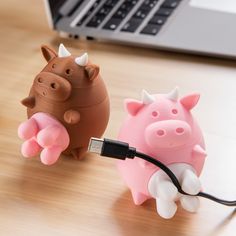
(88, 197)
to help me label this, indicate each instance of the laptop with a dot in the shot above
(194, 26)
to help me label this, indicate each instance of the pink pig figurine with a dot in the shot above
(162, 126)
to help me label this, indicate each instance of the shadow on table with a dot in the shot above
(39, 182)
(144, 220)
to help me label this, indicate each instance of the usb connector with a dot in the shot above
(111, 148)
(96, 145)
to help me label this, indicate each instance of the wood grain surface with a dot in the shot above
(88, 197)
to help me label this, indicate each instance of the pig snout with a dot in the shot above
(167, 134)
(52, 86)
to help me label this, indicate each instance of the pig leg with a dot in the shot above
(30, 148)
(51, 139)
(165, 209)
(28, 129)
(190, 182)
(160, 186)
(190, 203)
(50, 155)
(138, 197)
(78, 153)
(162, 189)
(48, 136)
(165, 199)
(165, 193)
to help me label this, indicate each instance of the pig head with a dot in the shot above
(164, 125)
(71, 90)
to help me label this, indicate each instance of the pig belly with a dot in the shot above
(93, 122)
(136, 176)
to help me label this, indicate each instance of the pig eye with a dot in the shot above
(174, 111)
(155, 114)
(53, 66)
(68, 71)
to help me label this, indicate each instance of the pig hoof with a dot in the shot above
(191, 183)
(190, 203)
(30, 148)
(166, 209)
(48, 136)
(138, 197)
(166, 190)
(28, 129)
(78, 153)
(50, 155)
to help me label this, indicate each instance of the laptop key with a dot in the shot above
(132, 25)
(158, 20)
(141, 13)
(149, 3)
(113, 23)
(151, 29)
(104, 11)
(110, 3)
(96, 20)
(170, 3)
(121, 13)
(136, 20)
(133, 2)
(162, 11)
(126, 6)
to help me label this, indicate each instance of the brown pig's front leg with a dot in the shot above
(72, 116)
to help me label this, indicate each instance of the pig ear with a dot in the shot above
(92, 71)
(133, 106)
(190, 101)
(48, 53)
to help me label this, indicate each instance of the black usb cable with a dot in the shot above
(121, 150)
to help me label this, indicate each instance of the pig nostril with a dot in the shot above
(160, 132)
(40, 80)
(154, 113)
(53, 85)
(174, 111)
(179, 130)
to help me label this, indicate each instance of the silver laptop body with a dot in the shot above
(176, 25)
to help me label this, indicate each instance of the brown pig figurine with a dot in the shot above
(67, 104)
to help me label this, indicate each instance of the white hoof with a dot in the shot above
(166, 190)
(165, 209)
(191, 183)
(190, 203)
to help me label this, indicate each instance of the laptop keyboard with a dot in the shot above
(120, 14)
(130, 25)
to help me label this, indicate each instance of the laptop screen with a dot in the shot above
(54, 6)
(59, 8)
